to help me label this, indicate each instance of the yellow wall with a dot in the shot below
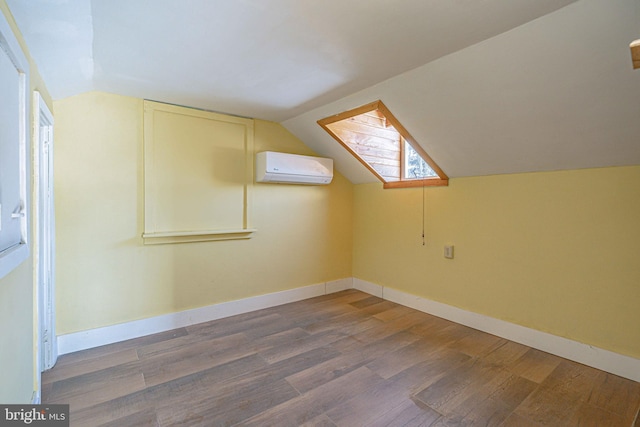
(105, 275)
(552, 251)
(17, 333)
(558, 252)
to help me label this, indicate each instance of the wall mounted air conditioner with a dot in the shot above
(293, 168)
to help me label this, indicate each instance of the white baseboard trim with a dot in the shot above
(83, 340)
(605, 360)
(368, 287)
(615, 363)
(338, 285)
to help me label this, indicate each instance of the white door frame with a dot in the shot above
(44, 254)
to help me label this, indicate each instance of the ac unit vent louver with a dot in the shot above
(293, 168)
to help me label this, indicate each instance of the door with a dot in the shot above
(47, 344)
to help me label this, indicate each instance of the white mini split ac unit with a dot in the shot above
(293, 168)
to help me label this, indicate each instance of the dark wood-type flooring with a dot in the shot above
(344, 359)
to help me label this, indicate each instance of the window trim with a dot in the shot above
(441, 180)
(13, 256)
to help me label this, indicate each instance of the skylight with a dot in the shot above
(377, 139)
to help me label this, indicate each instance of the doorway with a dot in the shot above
(46, 343)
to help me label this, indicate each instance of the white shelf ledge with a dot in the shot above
(196, 236)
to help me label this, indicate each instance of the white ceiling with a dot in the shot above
(486, 86)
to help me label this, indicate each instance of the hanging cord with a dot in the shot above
(423, 222)
(423, 241)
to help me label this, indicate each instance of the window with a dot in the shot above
(13, 151)
(415, 167)
(377, 139)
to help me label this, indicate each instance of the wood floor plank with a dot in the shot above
(146, 418)
(344, 297)
(172, 393)
(312, 309)
(572, 380)
(344, 359)
(476, 343)
(548, 408)
(397, 361)
(329, 370)
(230, 326)
(535, 365)
(491, 413)
(349, 323)
(483, 382)
(279, 339)
(514, 391)
(309, 405)
(302, 345)
(319, 421)
(515, 420)
(379, 308)
(386, 329)
(80, 396)
(393, 313)
(376, 348)
(228, 402)
(495, 409)
(461, 390)
(592, 416)
(238, 397)
(410, 414)
(422, 375)
(192, 343)
(163, 369)
(368, 406)
(384, 404)
(448, 335)
(367, 302)
(112, 410)
(618, 395)
(102, 351)
(298, 363)
(87, 365)
(227, 405)
(164, 363)
(506, 355)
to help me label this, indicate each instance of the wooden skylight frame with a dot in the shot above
(374, 143)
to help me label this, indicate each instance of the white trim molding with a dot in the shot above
(368, 287)
(605, 360)
(15, 252)
(83, 340)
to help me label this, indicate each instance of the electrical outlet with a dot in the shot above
(448, 251)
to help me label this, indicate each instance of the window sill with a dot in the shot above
(12, 257)
(431, 182)
(196, 236)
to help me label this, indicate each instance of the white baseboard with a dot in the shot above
(615, 363)
(605, 360)
(83, 340)
(338, 285)
(368, 287)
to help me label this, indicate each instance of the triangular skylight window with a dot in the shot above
(377, 139)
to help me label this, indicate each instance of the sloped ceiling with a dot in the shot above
(486, 87)
(556, 93)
